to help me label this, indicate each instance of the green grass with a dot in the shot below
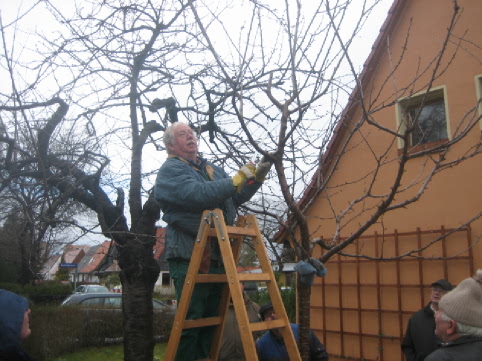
(111, 353)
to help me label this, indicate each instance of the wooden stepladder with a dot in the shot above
(230, 239)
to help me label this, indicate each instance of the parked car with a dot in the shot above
(105, 300)
(91, 289)
(102, 318)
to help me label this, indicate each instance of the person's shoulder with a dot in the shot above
(427, 311)
(173, 163)
(423, 312)
(435, 355)
(263, 339)
(254, 305)
(295, 327)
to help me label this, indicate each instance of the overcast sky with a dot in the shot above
(41, 21)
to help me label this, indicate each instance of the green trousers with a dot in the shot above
(196, 342)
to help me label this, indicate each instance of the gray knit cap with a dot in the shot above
(464, 303)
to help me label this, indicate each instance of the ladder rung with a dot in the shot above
(267, 325)
(211, 278)
(235, 232)
(202, 322)
(222, 278)
(254, 277)
(212, 321)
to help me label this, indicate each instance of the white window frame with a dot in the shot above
(403, 103)
(478, 93)
(166, 274)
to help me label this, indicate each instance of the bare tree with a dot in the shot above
(272, 85)
(35, 225)
(285, 87)
(77, 124)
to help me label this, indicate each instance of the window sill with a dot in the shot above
(425, 146)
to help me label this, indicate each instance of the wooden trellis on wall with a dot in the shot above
(361, 309)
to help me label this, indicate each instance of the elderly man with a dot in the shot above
(14, 326)
(459, 322)
(420, 339)
(186, 186)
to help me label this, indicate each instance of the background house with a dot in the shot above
(85, 276)
(164, 284)
(361, 308)
(94, 263)
(72, 254)
(50, 267)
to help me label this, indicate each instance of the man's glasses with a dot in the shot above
(184, 134)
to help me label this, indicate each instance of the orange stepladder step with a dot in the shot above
(230, 239)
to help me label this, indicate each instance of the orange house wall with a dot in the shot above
(359, 300)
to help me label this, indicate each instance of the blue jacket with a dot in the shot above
(272, 348)
(12, 311)
(185, 190)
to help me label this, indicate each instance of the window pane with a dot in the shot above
(95, 301)
(166, 280)
(432, 125)
(114, 302)
(98, 289)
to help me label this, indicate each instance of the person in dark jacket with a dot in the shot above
(420, 339)
(459, 322)
(186, 186)
(271, 347)
(14, 326)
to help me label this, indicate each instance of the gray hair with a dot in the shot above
(168, 137)
(463, 329)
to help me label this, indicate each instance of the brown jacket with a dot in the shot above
(232, 346)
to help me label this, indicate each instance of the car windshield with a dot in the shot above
(97, 289)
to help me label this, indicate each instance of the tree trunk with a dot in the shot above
(304, 294)
(139, 272)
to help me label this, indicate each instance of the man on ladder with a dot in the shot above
(187, 185)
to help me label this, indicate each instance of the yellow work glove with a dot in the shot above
(245, 173)
(262, 169)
